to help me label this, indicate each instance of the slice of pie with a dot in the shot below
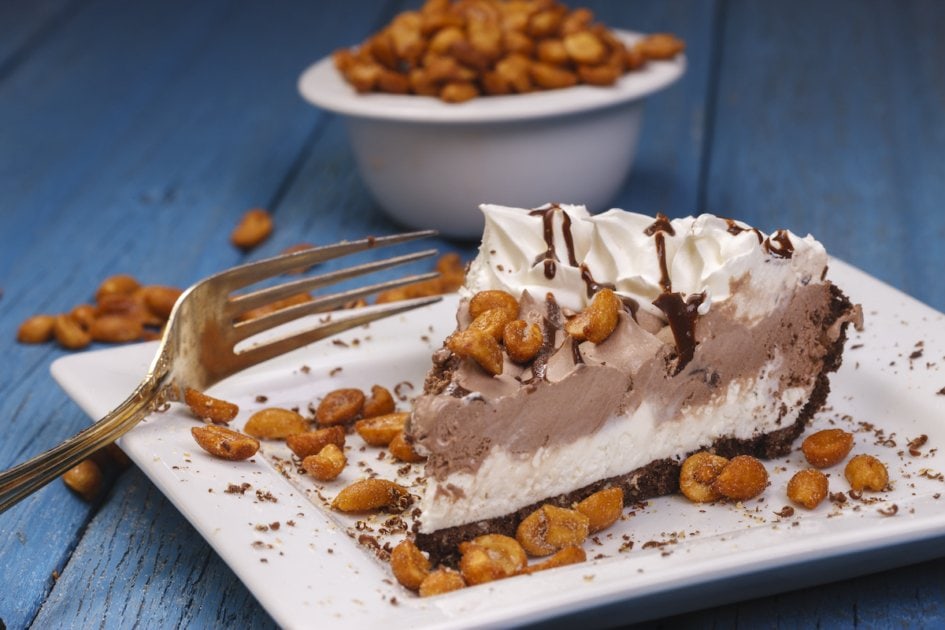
(594, 351)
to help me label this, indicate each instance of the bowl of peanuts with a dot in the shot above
(468, 102)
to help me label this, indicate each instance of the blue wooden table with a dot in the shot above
(134, 134)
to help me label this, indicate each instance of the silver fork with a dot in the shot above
(198, 347)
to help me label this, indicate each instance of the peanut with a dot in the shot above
(865, 472)
(827, 448)
(486, 300)
(340, 406)
(568, 555)
(808, 488)
(596, 322)
(209, 408)
(254, 227)
(115, 329)
(36, 329)
(403, 450)
(550, 528)
(327, 464)
(84, 314)
(69, 333)
(742, 478)
(225, 443)
(584, 47)
(379, 403)
(441, 581)
(602, 508)
(160, 300)
(522, 340)
(370, 494)
(490, 557)
(311, 442)
(121, 284)
(380, 430)
(478, 346)
(491, 322)
(275, 423)
(698, 474)
(85, 478)
(660, 46)
(409, 565)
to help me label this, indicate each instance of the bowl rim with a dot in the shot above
(322, 85)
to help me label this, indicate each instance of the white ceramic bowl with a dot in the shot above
(430, 164)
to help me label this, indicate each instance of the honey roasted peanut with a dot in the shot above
(225, 443)
(380, 430)
(491, 322)
(487, 300)
(327, 464)
(339, 406)
(403, 450)
(660, 46)
(550, 528)
(311, 442)
(275, 423)
(490, 557)
(742, 478)
(808, 488)
(120, 284)
(254, 227)
(522, 340)
(209, 408)
(69, 333)
(160, 300)
(827, 448)
(569, 555)
(85, 478)
(36, 329)
(596, 322)
(409, 565)
(441, 581)
(379, 403)
(865, 472)
(698, 474)
(370, 494)
(115, 329)
(478, 346)
(602, 508)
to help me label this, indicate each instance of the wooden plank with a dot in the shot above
(24, 26)
(858, 166)
(114, 173)
(142, 565)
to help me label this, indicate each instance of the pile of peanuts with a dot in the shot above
(552, 532)
(320, 448)
(123, 311)
(459, 50)
(496, 327)
(708, 477)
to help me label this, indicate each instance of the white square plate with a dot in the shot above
(310, 566)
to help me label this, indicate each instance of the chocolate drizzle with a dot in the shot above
(735, 229)
(576, 352)
(682, 314)
(550, 256)
(656, 229)
(593, 286)
(779, 245)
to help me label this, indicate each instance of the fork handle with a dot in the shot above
(26, 478)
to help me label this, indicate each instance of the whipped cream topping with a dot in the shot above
(565, 250)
